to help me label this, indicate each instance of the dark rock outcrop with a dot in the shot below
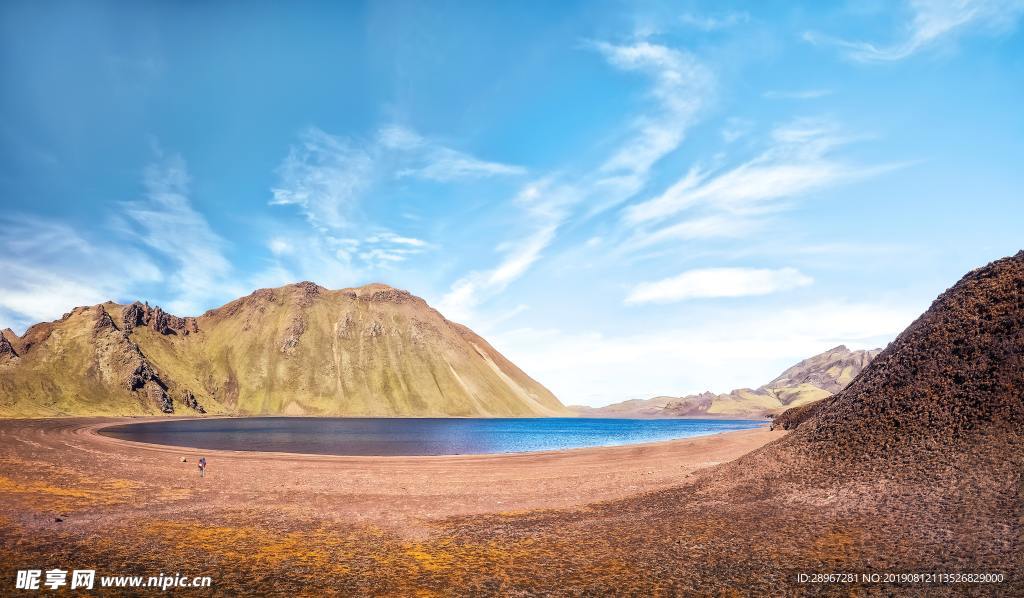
(307, 292)
(158, 394)
(7, 351)
(103, 320)
(139, 314)
(165, 323)
(189, 400)
(134, 315)
(143, 373)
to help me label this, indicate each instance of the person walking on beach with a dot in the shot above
(202, 467)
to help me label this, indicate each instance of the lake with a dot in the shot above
(415, 436)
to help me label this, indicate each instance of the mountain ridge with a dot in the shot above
(808, 381)
(298, 349)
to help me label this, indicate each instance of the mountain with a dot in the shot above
(924, 451)
(300, 349)
(956, 371)
(810, 380)
(916, 467)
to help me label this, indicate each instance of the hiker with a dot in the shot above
(202, 467)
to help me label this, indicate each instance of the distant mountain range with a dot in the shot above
(300, 349)
(806, 382)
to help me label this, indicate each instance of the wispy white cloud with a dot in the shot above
(705, 283)
(799, 160)
(432, 161)
(280, 246)
(165, 220)
(390, 237)
(446, 165)
(328, 177)
(712, 226)
(680, 87)
(325, 176)
(47, 268)
(736, 128)
(336, 260)
(799, 94)
(471, 290)
(933, 22)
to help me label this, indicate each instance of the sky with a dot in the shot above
(627, 199)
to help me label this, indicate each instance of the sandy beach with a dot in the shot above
(45, 462)
(71, 494)
(700, 515)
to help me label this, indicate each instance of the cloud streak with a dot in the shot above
(680, 86)
(705, 204)
(545, 206)
(166, 222)
(933, 22)
(705, 283)
(47, 268)
(327, 176)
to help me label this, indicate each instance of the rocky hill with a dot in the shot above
(923, 454)
(916, 467)
(956, 371)
(806, 382)
(297, 349)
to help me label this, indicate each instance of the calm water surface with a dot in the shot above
(401, 436)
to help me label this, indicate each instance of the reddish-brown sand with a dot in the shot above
(400, 492)
(132, 507)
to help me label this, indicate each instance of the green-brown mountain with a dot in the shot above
(810, 380)
(300, 349)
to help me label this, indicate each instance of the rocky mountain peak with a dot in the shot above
(141, 314)
(6, 349)
(381, 293)
(831, 370)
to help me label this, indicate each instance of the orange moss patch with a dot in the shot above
(258, 547)
(50, 496)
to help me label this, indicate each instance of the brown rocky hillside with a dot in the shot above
(916, 468)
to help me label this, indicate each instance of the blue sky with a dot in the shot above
(627, 198)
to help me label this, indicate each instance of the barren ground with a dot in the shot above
(731, 514)
(132, 506)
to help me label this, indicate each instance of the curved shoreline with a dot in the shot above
(109, 478)
(96, 430)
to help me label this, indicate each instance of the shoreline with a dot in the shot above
(65, 464)
(96, 429)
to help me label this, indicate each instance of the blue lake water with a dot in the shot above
(409, 436)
